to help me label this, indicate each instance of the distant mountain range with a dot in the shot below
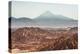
(46, 19)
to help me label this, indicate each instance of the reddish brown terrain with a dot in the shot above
(30, 39)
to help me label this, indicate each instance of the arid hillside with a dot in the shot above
(29, 39)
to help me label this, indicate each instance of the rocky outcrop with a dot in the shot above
(36, 39)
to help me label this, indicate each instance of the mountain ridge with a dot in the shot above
(50, 15)
(45, 19)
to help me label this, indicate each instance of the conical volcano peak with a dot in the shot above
(47, 13)
(50, 16)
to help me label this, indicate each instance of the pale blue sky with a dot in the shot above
(33, 9)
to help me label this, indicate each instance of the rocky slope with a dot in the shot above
(36, 39)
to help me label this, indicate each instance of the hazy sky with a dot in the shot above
(33, 9)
